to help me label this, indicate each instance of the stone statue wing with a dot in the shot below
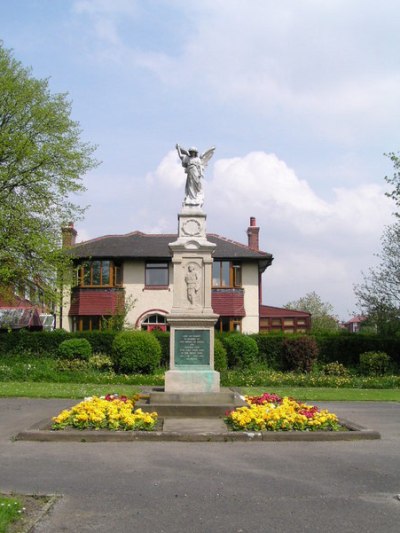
(205, 158)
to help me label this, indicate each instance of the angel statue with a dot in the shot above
(194, 167)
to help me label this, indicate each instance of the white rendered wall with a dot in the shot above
(250, 323)
(145, 300)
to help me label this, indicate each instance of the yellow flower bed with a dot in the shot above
(281, 414)
(100, 413)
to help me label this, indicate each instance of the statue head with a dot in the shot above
(193, 150)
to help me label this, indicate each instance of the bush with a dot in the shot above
(101, 341)
(75, 349)
(270, 348)
(136, 351)
(163, 338)
(242, 350)
(374, 363)
(299, 354)
(101, 362)
(335, 369)
(220, 357)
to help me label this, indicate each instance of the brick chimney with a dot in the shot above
(252, 233)
(69, 234)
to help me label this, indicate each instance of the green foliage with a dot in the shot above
(335, 369)
(163, 338)
(300, 353)
(42, 160)
(272, 380)
(10, 511)
(270, 349)
(220, 356)
(323, 319)
(242, 350)
(71, 365)
(374, 363)
(75, 349)
(378, 295)
(346, 348)
(136, 351)
(118, 321)
(101, 341)
(46, 343)
(101, 362)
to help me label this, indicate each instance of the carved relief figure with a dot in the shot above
(192, 284)
(194, 167)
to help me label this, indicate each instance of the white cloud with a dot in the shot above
(169, 172)
(318, 244)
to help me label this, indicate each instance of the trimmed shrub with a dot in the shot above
(220, 357)
(101, 341)
(374, 363)
(75, 349)
(136, 352)
(163, 338)
(270, 348)
(299, 354)
(242, 350)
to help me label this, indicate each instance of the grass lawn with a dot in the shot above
(62, 390)
(80, 390)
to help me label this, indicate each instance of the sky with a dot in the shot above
(301, 100)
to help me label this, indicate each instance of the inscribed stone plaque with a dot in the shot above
(192, 347)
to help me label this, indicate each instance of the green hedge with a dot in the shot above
(46, 343)
(343, 348)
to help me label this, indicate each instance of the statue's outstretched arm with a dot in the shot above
(181, 151)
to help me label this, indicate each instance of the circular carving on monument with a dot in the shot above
(191, 227)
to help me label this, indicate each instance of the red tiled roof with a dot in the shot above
(267, 311)
(356, 320)
(228, 303)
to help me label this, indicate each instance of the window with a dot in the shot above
(87, 323)
(226, 274)
(155, 322)
(156, 274)
(99, 274)
(226, 323)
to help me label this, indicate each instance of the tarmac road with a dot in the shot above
(155, 487)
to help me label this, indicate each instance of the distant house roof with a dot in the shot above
(155, 246)
(267, 311)
(19, 318)
(356, 320)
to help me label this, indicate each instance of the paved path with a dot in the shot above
(156, 487)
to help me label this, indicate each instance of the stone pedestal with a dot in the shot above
(192, 319)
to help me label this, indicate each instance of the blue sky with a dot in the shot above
(301, 100)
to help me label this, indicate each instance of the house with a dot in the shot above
(285, 320)
(114, 269)
(354, 324)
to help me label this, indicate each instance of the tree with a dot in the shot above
(378, 295)
(323, 319)
(394, 180)
(42, 160)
